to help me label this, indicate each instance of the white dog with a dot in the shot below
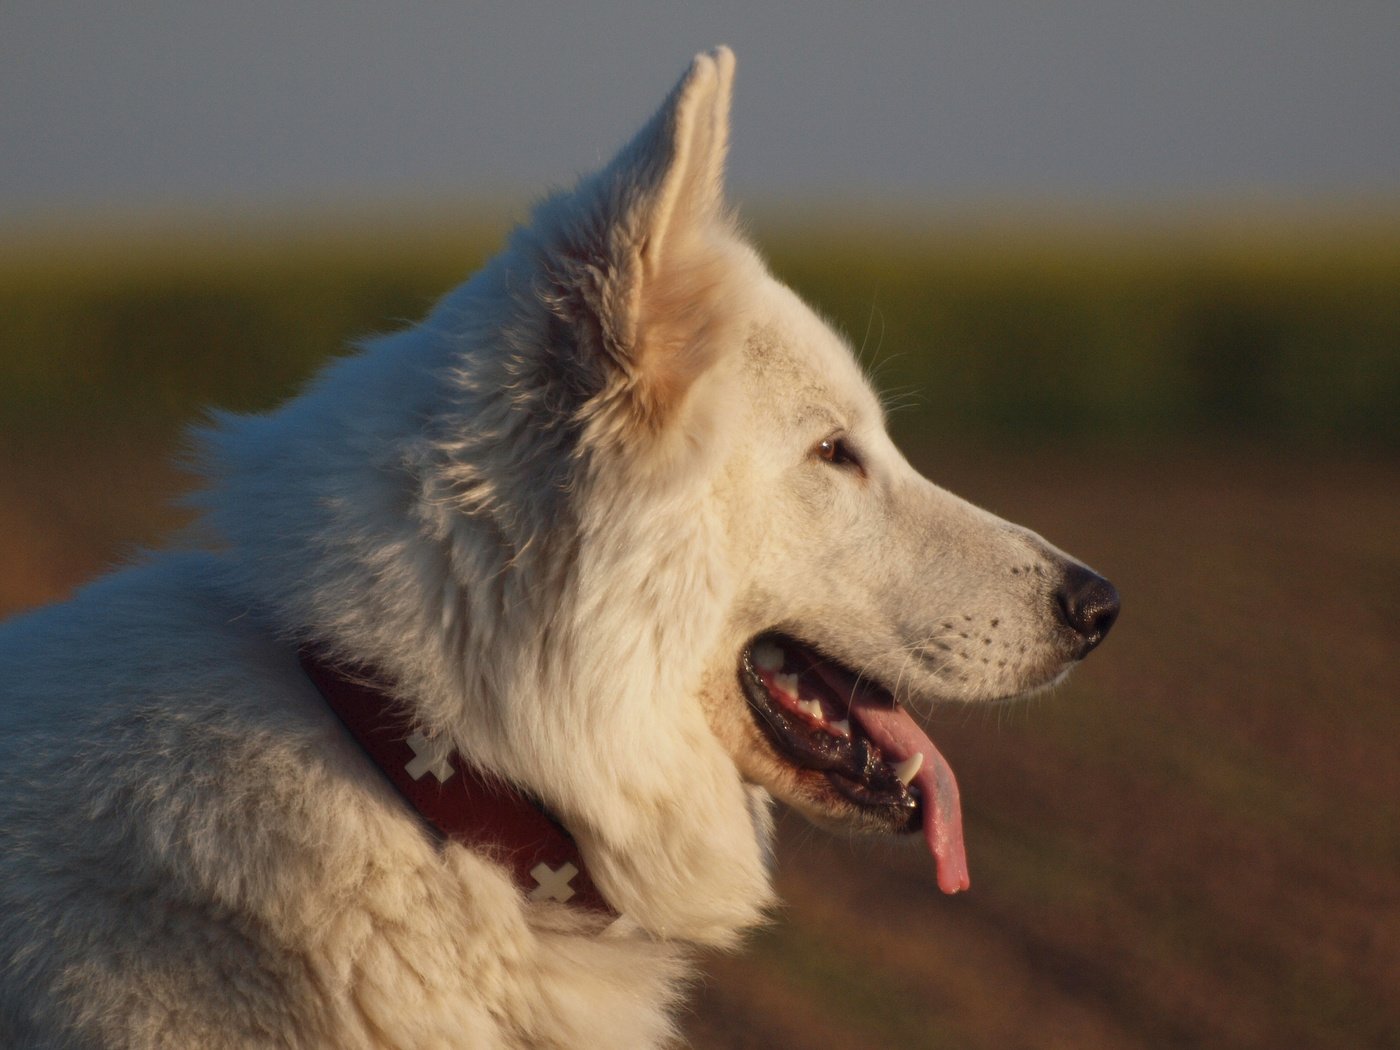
(464, 734)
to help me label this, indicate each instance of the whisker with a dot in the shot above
(865, 339)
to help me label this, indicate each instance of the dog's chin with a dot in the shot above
(1054, 675)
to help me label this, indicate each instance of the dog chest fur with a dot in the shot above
(227, 871)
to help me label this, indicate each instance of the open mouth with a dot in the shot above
(847, 736)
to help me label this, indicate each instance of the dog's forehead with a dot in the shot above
(793, 361)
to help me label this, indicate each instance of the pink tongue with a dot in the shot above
(899, 736)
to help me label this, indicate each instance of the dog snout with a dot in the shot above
(1088, 605)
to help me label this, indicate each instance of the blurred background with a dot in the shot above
(1130, 275)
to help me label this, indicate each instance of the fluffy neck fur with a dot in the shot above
(497, 561)
(502, 590)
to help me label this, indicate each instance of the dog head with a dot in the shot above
(623, 518)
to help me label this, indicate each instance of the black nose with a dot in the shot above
(1088, 604)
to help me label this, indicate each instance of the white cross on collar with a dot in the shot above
(553, 885)
(427, 760)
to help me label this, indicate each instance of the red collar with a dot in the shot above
(457, 800)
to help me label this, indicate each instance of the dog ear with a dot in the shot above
(638, 256)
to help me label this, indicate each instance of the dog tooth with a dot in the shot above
(768, 657)
(813, 708)
(786, 683)
(843, 726)
(910, 766)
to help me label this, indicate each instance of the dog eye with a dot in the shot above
(836, 451)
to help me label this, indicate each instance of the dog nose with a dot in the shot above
(1088, 604)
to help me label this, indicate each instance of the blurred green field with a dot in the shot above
(1290, 333)
(1194, 844)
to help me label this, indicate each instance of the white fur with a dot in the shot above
(554, 513)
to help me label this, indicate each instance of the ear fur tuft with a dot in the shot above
(638, 256)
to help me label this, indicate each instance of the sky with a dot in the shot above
(289, 107)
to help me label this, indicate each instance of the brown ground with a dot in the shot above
(1195, 844)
